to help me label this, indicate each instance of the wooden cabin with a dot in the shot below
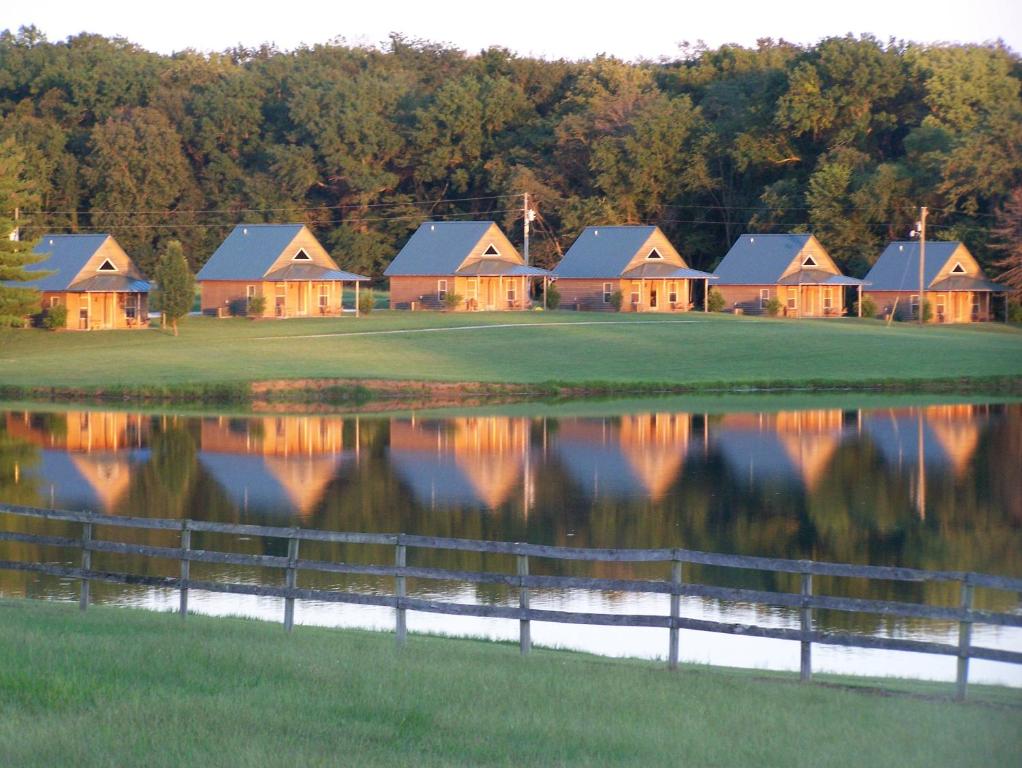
(955, 286)
(94, 278)
(794, 269)
(638, 261)
(470, 259)
(283, 263)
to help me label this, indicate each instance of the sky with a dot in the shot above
(553, 29)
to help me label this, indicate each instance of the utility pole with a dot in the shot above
(525, 221)
(16, 232)
(922, 264)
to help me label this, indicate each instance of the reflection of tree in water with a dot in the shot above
(16, 456)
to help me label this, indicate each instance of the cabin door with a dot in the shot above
(653, 298)
(809, 302)
(83, 312)
(491, 294)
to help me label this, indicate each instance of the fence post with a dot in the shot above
(291, 581)
(672, 652)
(83, 598)
(400, 592)
(806, 664)
(524, 628)
(964, 640)
(186, 566)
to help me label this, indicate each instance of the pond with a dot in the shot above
(870, 480)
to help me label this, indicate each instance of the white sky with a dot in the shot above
(570, 29)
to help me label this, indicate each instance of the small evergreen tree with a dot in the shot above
(16, 302)
(716, 301)
(177, 284)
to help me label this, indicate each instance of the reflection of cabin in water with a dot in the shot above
(780, 446)
(629, 456)
(476, 461)
(273, 464)
(87, 457)
(937, 436)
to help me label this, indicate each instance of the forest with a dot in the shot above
(845, 138)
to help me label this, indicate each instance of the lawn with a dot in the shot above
(123, 687)
(567, 347)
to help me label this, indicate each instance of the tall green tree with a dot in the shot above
(176, 282)
(1007, 236)
(16, 302)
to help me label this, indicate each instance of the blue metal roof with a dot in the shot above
(897, 269)
(66, 255)
(603, 252)
(438, 248)
(759, 259)
(249, 251)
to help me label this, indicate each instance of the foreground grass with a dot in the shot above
(123, 687)
(526, 348)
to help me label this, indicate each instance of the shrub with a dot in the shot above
(1015, 311)
(256, 306)
(553, 297)
(366, 302)
(773, 307)
(452, 301)
(238, 307)
(616, 299)
(869, 307)
(715, 302)
(55, 317)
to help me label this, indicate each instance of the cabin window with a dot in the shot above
(250, 292)
(809, 261)
(940, 307)
(441, 289)
(635, 295)
(654, 254)
(131, 308)
(301, 256)
(608, 289)
(958, 269)
(511, 295)
(473, 289)
(54, 301)
(324, 296)
(913, 303)
(828, 298)
(975, 306)
(764, 297)
(792, 298)
(107, 266)
(491, 250)
(672, 293)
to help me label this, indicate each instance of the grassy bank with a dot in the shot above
(124, 687)
(545, 353)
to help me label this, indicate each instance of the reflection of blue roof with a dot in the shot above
(756, 456)
(435, 479)
(249, 483)
(601, 469)
(896, 436)
(65, 487)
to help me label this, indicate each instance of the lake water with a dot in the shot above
(877, 482)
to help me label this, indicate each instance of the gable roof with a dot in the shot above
(66, 256)
(897, 269)
(603, 251)
(249, 251)
(759, 259)
(438, 248)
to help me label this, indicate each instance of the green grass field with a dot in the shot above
(121, 687)
(567, 347)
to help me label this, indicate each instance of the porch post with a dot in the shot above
(859, 302)
(642, 292)
(500, 290)
(706, 295)
(545, 285)
(356, 297)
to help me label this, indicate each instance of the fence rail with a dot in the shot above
(805, 601)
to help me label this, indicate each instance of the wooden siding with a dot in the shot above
(307, 242)
(299, 298)
(112, 251)
(957, 305)
(668, 253)
(100, 311)
(823, 260)
(587, 294)
(477, 293)
(494, 235)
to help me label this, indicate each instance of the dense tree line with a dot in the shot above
(845, 138)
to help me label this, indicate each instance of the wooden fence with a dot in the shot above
(805, 601)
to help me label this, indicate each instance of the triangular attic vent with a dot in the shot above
(654, 254)
(107, 266)
(491, 251)
(301, 256)
(958, 269)
(809, 261)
